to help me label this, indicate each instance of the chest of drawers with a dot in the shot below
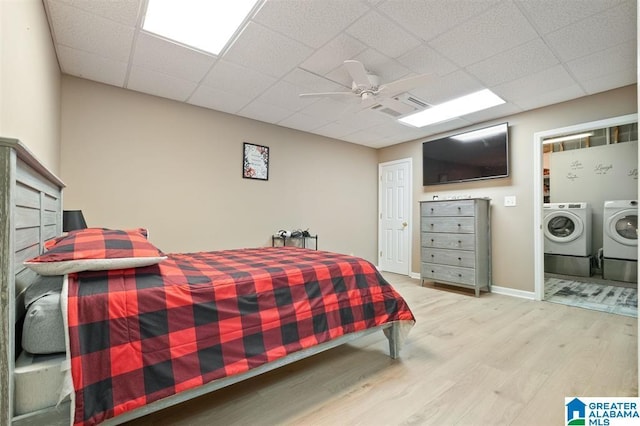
(455, 242)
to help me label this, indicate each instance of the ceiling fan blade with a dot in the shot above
(358, 73)
(406, 84)
(325, 94)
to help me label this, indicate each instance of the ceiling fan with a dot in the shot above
(367, 86)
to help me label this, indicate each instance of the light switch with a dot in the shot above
(510, 201)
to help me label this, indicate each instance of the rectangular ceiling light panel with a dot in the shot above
(458, 107)
(206, 25)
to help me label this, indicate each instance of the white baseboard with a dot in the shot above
(530, 295)
(513, 292)
(497, 289)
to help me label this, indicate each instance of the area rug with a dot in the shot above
(598, 297)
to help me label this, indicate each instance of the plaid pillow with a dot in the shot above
(96, 249)
(49, 244)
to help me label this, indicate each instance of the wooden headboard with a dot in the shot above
(30, 214)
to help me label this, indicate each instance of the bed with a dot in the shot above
(145, 335)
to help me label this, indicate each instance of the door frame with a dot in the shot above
(409, 243)
(538, 216)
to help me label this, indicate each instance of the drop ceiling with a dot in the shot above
(531, 53)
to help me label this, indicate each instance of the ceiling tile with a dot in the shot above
(263, 111)
(620, 58)
(92, 67)
(236, 79)
(333, 54)
(311, 81)
(512, 64)
(609, 28)
(445, 88)
(336, 129)
(330, 109)
(565, 12)
(155, 83)
(428, 19)
(312, 22)
(424, 60)
(219, 100)
(302, 121)
(548, 80)
(383, 35)
(286, 95)
(602, 83)
(82, 30)
(494, 31)
(562, 94)
(169, 58)
(122, 11)
(276, 55)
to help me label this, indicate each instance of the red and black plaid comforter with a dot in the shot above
(138, 335)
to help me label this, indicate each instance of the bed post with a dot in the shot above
(394, 337)
(7, 279)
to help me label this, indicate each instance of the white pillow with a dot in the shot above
(69, 266)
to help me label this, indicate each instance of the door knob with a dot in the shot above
(405, 224)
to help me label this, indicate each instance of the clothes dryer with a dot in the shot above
(567, 229)
(620, 229)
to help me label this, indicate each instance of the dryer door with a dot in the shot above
(562, 226)
(623, 227)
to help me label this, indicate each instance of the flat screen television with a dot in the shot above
(475, 155)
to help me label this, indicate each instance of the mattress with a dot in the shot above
(38, 381)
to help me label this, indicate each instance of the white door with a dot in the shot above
(394, 231)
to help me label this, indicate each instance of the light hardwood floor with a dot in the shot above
(493, 360)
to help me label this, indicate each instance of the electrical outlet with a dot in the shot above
(510, 201)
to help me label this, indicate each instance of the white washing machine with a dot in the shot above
(567, 229)
(620, 229)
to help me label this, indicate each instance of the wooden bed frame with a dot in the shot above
(31, 196)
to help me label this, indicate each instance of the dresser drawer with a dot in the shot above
(464, 258)
(448, 208)
(453, 274)
(448, 241)
(462, 225)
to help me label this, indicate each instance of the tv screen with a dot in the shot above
(479, 154)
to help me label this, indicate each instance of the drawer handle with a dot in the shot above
(460, 258)
(433, 272)
(431, 225)
(433, 255)
(459, 225)
(460, 275)
(432, 240)
(459, 241)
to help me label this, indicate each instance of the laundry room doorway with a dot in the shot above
(577, 169)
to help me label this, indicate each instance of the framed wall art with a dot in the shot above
(255, 162)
